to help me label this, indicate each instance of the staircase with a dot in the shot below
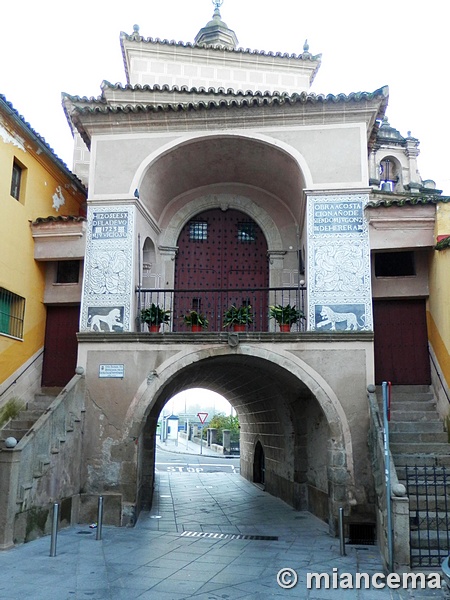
(421, 452)
(20, 425)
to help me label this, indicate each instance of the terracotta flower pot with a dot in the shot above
(285, 327)
(153, 328)
(196, 328)
(238, 327)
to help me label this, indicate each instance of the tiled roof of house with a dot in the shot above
(59, 219)
(229, 97)
(7, 107)
(390, 199)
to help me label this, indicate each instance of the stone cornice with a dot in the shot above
(210, 337)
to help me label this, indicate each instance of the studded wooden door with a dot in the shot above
(222, 260)
(401, 342)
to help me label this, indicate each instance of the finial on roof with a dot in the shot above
(216, 32)
(306, 46)
(136, 29)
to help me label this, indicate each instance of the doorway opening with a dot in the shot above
(259, 464)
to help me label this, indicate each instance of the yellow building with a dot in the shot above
(439, 312)
(34, 183)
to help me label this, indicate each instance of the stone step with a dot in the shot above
(436, 520)
(41, 401)
(412, 397)
(417, 491)
(416, 426)
(420, 448)
(432, 538)
(15, 433)
(414, 415)
(425, 472)
(30, 415)
(21, 424)
(416, 405)
(425, 503)
(412, 460)
(396, 437)
(405, 389)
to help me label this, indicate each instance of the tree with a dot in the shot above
(221, 422)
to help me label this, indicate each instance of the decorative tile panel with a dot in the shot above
(339, 278)
(108, 280)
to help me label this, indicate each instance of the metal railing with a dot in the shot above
(213, 303)
(428, 489)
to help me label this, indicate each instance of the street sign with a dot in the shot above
(202, 417)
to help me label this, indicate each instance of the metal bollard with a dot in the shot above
(98, 535)
(54, 536)
(341, 531)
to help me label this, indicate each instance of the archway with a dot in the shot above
(278, 402)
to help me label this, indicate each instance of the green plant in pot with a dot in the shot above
(155, 316)
(285, 316)
(195, 320)
(238, 317)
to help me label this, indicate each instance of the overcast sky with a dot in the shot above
(48, 47)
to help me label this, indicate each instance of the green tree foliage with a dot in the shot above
(221, 422)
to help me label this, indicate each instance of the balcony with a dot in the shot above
(213, 303)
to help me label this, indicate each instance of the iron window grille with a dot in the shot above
(198, 231)
(12, 312)
(247, 232)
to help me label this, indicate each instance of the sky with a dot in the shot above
(196, 401)
(48, 47)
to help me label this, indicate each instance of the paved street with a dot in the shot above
(209, 536)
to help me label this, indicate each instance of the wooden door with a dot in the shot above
(221, 250)
(61, 346)
(401, 342)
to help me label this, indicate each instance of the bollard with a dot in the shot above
(341, 531)
(98, 535)
(54, 536)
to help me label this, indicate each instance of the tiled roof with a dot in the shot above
(59, 219)
(20, 120)
(229, 98)
(135, 37)
(410, 200)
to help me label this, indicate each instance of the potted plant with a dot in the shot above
(285, 316)
(238, 318)
(155, 316)
(195, 320)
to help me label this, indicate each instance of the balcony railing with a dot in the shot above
(213, 303)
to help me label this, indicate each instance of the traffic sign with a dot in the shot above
(202, 417)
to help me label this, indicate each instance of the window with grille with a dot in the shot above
(198, 231)
(12, 312)
(247, 232)
(16, 180)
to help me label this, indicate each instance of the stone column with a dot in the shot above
(9, 481)
(212, 431)
(226, 441)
